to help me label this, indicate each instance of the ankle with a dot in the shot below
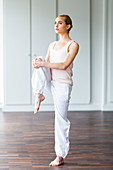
(60, 158)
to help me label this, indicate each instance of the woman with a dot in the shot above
(59, 60)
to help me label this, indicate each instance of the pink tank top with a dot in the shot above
(58, 56)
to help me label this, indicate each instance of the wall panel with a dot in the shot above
(16, 52)
(43, 15)
(110, 52)
(79, 11)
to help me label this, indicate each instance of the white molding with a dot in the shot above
(108, 107)
(90, 73)
(25, 108)
(1, 53)
(109, 54)
(89, 51)
(29, 108)
(104, 55)
(44, 108)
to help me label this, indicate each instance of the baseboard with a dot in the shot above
(108, 107)
(29, 108)
(25, 108)
(89, 107)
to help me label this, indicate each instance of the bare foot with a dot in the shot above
(38, 99)
(57, 162)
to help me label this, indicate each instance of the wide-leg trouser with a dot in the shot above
(61, 96)
(41, 79)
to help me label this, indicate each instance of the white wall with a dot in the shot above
(1, 53)
(101, 56)
(109, 57)
(96, 51)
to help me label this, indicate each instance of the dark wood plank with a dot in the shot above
(27, 141)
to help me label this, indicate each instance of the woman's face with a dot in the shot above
(60, 25)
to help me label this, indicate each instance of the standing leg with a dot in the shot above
(61, 95)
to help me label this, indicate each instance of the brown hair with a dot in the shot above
(68, 21)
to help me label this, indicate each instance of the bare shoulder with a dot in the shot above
(74, 45)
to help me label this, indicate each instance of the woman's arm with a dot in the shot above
(73, 50)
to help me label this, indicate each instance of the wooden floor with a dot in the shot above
(27, 141)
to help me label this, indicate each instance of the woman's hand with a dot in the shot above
(33, 63)
(37, 62)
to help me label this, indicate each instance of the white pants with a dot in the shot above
(41, 79)
(61, 96)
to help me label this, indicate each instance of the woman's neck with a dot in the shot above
(64, 37)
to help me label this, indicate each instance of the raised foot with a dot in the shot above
(57, 162)
(38, 99)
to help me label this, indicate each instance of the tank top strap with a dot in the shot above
(52, 45)
(68, 44)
